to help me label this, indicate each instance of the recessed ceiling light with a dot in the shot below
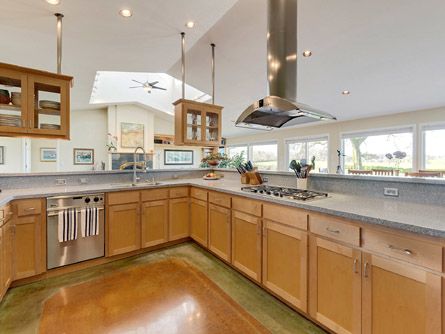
(125, 12)
(190, 24)
(53, 2)
(307, 53)
(346, 92)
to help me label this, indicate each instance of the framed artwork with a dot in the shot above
(132, 135)
(178, 157)
(83, 156)
(48, 154)
(2, 155)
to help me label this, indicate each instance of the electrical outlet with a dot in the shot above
(393, 192)
(265, 179)
(83, 180)
(61, 182)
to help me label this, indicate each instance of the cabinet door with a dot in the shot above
(246, 244)
(154, 223)
(7, 253)
(335, 285)
(46, 118)
(220, 232)
(400, 298)
(285, 262)
(179, 218)
(124, 234)
(194, 124)
(198, 221)
(27, 246)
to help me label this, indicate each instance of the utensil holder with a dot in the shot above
(302, 184)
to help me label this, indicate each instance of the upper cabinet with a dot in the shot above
(197, 124)
(34, 103)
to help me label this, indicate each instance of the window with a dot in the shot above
(265, 156)
(433, 147)
(375, 150)
(237, 150)
(308, 148)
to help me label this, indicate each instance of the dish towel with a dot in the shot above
(89, 222)
(67, 225)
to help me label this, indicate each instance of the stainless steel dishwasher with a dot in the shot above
(63, 253)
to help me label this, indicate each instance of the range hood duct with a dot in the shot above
(281, 108)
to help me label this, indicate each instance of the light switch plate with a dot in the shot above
(393, 192)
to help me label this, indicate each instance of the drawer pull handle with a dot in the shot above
(405, 251)
(30, 209)
(332, 231)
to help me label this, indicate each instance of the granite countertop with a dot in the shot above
(393, 213)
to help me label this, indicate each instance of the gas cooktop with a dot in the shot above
(284, 192)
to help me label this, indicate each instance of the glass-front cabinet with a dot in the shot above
(34, 103)
(197, 123)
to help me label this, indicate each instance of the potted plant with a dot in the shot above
(398, 156)
(213, 159)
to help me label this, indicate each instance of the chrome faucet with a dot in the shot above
(135, 161)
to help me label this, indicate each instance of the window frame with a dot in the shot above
(423, 128)
(306, 140)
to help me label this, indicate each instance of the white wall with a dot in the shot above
(36, 164)
(335, 129)
(13, 155)
(159, 156)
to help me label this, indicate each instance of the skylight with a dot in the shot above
(114, 88)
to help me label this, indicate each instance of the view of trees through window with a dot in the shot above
(232, 151)
(265, 156)
(385, 151)
(434, 157)
(307, 149)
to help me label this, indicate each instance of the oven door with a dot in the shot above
(82, 249)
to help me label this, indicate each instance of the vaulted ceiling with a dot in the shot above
(389, 54)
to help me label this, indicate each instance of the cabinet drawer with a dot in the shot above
(285, 215)
(123, 197)
(29, 207)
(154, 195)
(334, 228)
(415, 251)
(179, 192)
(199, 194)
(220, 199)
(246, 205)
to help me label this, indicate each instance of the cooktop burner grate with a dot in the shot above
(284, 192)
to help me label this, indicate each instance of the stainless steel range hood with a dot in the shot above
(280, 107)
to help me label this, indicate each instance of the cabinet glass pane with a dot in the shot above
(193, 124)
(11, 113)
(46, 106)
(212, 126)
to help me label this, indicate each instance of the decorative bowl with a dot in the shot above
(4, 96)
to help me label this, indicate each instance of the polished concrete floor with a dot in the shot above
(182, 289)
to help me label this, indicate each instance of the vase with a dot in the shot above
(302, 184)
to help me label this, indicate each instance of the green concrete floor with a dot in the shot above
(21, 308)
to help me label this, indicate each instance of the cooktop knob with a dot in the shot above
(96, 199)
(87, 200)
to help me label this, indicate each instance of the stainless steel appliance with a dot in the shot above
(285, 192)
(64, 253)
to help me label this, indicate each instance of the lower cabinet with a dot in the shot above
(220, 237)
(179, 217)
(285, 262)
(335, 285)
(246, 244)
(154, 224)
(7, 235)
(198, 221)
(400, 298)
(124, 228)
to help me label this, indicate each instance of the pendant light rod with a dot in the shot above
(59, 42)
(213, 72)
(183, 63)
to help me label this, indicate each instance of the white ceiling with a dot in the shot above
(389, 54)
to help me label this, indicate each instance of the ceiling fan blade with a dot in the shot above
(137, 81)
(153, 83)
(156, 87)
(136, 87)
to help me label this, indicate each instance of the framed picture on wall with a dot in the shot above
(83, 156)
(178, 157)
(48, 154)
(2, 155)
(132, 135)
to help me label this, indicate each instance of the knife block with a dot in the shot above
(254, 178)
(244, 178)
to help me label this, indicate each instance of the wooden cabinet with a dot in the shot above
(29, 240)
(220, 234)
(124, 228)
(285, 262)
(335, 285)
(29, 113)
(197, 123)
(154, 223)
(198, 221)
(6, 250)
(246, 244)
(179, 217)
(400, 298)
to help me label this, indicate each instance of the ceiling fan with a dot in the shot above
(147, 86)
